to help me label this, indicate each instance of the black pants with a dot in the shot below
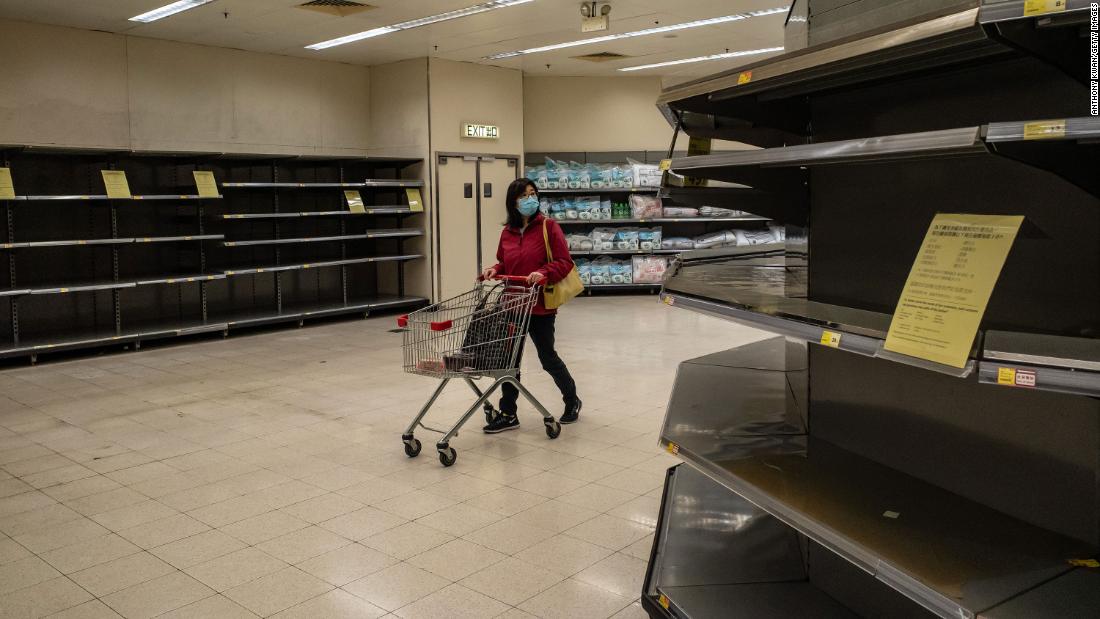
(542, 334)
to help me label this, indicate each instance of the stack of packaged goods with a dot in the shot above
(572, 175)
(576, 207)
(727, 238)
(616, 239)
(605, 271)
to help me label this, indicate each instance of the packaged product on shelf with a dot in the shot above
(579, 176)
(626, 239)
(570, 206)
(588, 207)
(603, 239)
(546, 206)
(677, 242)
(600, 272)
(579, 242)
(557, 174)
(779, 232)
(680, 211)
(755, 237)
(605, 209)
(622, 272)
(622, 176)
(645, 174)
(584, 270)
(620, 210)
(645, 207)
(649, 238)
(716, 239)
(714, 211)
(602, 176)
(558, 208)
(537, 175)
(649, 269)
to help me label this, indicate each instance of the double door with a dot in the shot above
(471, 214)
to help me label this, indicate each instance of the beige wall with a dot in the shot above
(593, 114)
(73, 87)
(465, 92)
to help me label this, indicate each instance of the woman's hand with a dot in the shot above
(489, 273)
(536, 278)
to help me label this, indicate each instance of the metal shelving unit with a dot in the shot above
(822, 475)
(658, 220)
(605, 190)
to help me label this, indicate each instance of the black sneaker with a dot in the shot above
(572, 412)
(502, 423)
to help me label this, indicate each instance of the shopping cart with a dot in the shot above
(478, 334)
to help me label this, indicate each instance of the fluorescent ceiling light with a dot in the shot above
(169, 10)
(751, 52)
(641, 33)
(416, 23)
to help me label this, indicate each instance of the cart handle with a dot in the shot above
(443, 325)
(403, 321)
(512, 279)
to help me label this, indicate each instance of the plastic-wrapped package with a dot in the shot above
(779, 232)
(579, 176)
(620, 210)
(546, 206)
(579, 242)
(584, 269)
(645, 207)
(622, 176)
(649, 269)
(622, 272)
(605, 209)
(715, 239)
(558, 208)
(626, 239)
(603, 239)
(755, 237)
(569, 208)
(677, 242)
(602, 176)
(714, 211)
(680, 212)
(557, 174)
(645, 174)
(537, 175)
(588, 207)
(600, 272)
(649, 238)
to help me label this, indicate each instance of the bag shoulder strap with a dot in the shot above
(546, 240)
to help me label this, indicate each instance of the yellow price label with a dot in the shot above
(669, 300)
(1093, 563)
(1006, 376)
(1045, 130)
(665, 165)
(663, 601)
(7, 187)
(673, 448)
(116, 184)
(744, 78)
(206, 184)
(1042, 7)
(830, 339)
(416, 203)
(355, 201)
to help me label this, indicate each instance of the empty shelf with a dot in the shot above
(317, 265)
(954, 556)
(622, 286)
(90, 338)
(179, 239)
(361, 185)
(626, 252)
(374, 234)
(657, 220)
(69, 197)
(181, 279)
(124, 241)
(383, 210)
(1043, 362)
(382, 302)
(767, 599)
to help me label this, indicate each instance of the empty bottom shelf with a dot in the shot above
(104, 337)
(785, 599)
(254, 319)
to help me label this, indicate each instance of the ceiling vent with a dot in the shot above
(601, 57)
(338, 8)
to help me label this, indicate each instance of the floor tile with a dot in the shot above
(459, 519)
(229, 511)
(344, 565)
(279, 591)
(197, 549)
(363, 523)
(157, 596)
(632, 480)
(641, 549)
(571, 599)
(618, 573)
(19, 503)
(599, 498)
(634, 611)
(134, 515)
(197, 497)
(43, 599)
(106, 501)
(82, 555)
(338, 478)
(38, 518)
(610, 532)
(25, 573)
(235, 568)
(643, 510)
(407, 540)
(588, 470)
(461, 487)
(286, 493)
(10, 550)
(563, 554)
(512, 581)
(454, 601)
(213, 607)
(322, 508)
(120, 574)
(258, 529)
(30, 466)
(164, 531)
(550, 485)
(58, 476)
(555, 516)
(303, 544)
(416, 505)
(506, 501)
(60, 535)
(81, 488)
(509, 536)
(456, 559)
(396, 586)
(336, 604)
(88, 610)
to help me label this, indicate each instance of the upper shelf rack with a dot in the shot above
(75, 198)
(368, 184)
(385, 210)
(765, 103)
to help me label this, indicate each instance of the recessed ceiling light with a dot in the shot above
(641, 33)
(751, 52)
(169, 10)
(416, 23)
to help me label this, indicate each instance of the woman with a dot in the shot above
(522, 251)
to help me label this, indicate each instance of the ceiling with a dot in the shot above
(279, 27)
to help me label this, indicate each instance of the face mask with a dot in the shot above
(528, 206)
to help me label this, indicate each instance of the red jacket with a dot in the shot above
(522, 252)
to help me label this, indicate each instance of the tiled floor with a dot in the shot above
(263, 475)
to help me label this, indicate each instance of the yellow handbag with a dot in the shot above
(558, 294)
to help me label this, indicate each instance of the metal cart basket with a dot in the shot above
(478, 334)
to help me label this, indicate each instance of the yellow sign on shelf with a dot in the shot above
(116, 184)
(665, 165)
(7, 188)
(355, 201)
(830, 339)
(416, 203)
(1045, 130)
(744, 77)
(949, 286)
(1042, 7)
(206, 184)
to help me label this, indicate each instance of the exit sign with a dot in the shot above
(481, 132)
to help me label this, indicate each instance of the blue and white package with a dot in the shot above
(584, 269)
(558, 208)
(626, 239)
(600, 272)
(545, 205)
(579, 177)
(622, 272)
(602, 176)
(649, 238)
(579, 242)
(557, 175)
(588, 207)
(569, 208)
(622, 176)
(605, 209)
(603, 239)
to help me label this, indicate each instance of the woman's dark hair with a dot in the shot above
(515, 191)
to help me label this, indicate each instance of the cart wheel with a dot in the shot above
(412, 448)
(553, 429)
(447, 457)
